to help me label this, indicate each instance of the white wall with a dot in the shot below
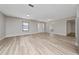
(77, 28)
(57, 27)
(14, 26)
(2, 26)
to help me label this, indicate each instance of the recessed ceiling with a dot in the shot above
(42, 12)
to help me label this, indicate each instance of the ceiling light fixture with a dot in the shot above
(28, 15)
(49, 19)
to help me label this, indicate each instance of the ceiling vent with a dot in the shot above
(30, 5)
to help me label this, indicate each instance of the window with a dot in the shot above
(25, 26)
(40, 27)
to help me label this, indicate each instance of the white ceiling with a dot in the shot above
(42, 12)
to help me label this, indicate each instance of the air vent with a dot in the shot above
(31, 5)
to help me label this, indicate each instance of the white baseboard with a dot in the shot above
(21, 34)
(57, 34)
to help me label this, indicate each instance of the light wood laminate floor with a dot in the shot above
(38, 44)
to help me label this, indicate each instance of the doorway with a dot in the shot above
(71, 28)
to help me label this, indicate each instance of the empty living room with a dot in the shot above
(39, 29)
